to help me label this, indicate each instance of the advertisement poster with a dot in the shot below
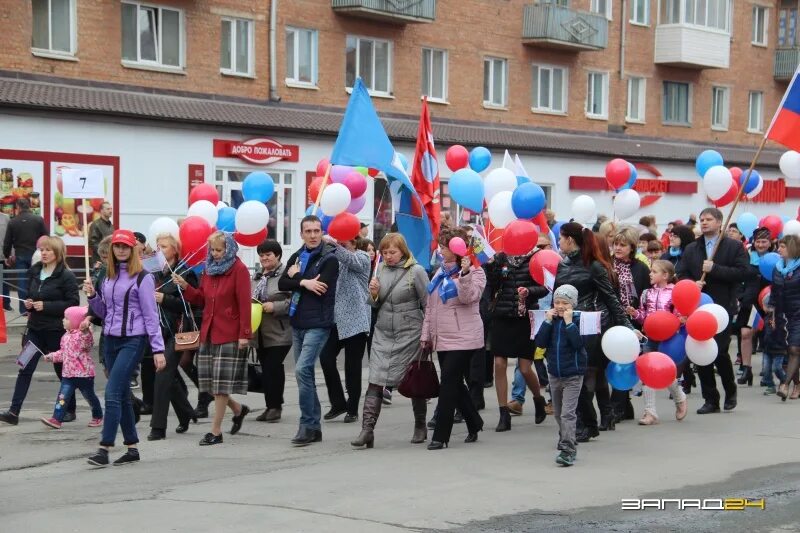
(66, 214)
(21, 179)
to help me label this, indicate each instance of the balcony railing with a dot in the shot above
(786, 61)
(555, 26)
(395, 11)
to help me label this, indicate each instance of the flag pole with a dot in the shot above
(322, 189)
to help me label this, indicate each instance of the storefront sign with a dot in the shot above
(197, 175)
(261, 151)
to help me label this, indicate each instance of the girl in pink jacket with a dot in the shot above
(78, 370)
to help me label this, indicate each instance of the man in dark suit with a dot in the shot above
(724, 271)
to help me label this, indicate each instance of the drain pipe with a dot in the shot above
(273, 52)
(623, 24)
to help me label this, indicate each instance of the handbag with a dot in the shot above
(421, 379)
(187, 340)
(254, 372)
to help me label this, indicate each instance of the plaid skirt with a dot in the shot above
(222, 368)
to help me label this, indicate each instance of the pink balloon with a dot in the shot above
(356, 182)
(340, 172)
(458, 246)
(322, 166)
(357, 204)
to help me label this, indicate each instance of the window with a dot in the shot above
(676, 103)
(636, 100)
(787, 27)
(602, 7)
(759, 26)
(434, 74)
(549, 89)
(236, 48)
(640, 11)
(371, 60)
(755, 122)
(301, 56)
(152, 35)
(720, 102)
(54, 26)
(495, 82)
(709, 13)
(597, 95)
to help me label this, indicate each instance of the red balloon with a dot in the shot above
(541, 260)
(618, 172)
(656, 370)
(344, 227)
(763, 295)
(456, 157)
(686, 296)
(521, 237)
(729, 196)
(254, 239)
(736, 173)
(372, 172)
(661, 325)
(322, 166)
(194, 232)
(204, 191)
(314, 187)
(773, 223)
(701, 325)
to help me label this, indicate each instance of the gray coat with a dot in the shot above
(275, 329)
(352, 311)
(398, 326)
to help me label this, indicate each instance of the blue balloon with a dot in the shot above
(325, 219)
(403, 161)
(199, 268)
(705, 299)
(706, 160)
(622, 377)
(226, 219)
(632, 179)
(766, 264)
(479, 159)
(747, 224)
(675, 346)
(523, 179)
(752, 183)
(527, 200)
(258, 186)
(556, 230)
(466, 189)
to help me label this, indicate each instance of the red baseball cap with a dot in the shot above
(123, 236)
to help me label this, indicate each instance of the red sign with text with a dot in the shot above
(197, 175)
(260, 151)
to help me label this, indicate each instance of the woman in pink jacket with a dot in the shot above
(454, 329)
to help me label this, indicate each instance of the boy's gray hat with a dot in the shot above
(567, 292)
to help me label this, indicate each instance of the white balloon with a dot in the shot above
(719, 313)
(221, 204)
(500, 211)
(791, 227)
(584, 209)
(626, 203)
(717, 182)
(204, 209)
(701, 353)
(790, 164)
(755, 192)
(159, 226)
(251, 217)
(620, 345)
(335, 199)
(498, 180)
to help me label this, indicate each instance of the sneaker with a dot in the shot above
(131, 456)
(648, 420)
(769, 391)
(387, 397)
(566, 459)
(51, 422)
(100, 458)
(95, 423)
(9, 418)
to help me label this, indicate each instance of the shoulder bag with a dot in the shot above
(187, 340)
(421, 379)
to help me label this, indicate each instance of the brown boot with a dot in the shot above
(420, 407)
(373, 400)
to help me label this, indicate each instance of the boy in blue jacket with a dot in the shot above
(566, 364)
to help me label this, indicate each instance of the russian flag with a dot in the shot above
(479, 248)
(755, 321)
(785, 126)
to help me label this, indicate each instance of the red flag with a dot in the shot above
(425, 175)
(3, 330)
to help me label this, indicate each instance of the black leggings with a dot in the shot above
(353, 354)
(273, 375)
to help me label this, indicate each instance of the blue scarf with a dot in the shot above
(306, 256)
(755, 258)
(217, 268)
(785, 269)
(675, 252)
(443, 280)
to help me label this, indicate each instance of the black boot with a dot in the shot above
(203, 401)
(505, 420)
(746, 377)
(540, 403)
(607, 423)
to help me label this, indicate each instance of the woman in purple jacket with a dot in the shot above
(127, 304)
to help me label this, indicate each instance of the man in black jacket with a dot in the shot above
(22, 233)
(724, 271)
(311, 276)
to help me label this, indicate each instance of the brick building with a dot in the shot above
(152, 91)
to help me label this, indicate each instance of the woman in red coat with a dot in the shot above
(224, 294)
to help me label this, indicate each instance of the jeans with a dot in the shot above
(273, 375)
(23, 264)
(519, 386)
(168, 387)
(46, 341)
(67, 394)
(308, 344)
(353, 355)
(122, 355)
(772, 364)
(566, 392)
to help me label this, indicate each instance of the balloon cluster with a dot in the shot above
(748, 223)
(722, 184)
(621, 176)
(621, 345)
(340, 197)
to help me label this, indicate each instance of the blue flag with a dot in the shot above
(362, 141)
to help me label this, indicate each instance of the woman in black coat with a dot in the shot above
(52, 289)
(586, 268)
(680, 237)
(748, 299)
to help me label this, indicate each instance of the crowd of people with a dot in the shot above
(353, 297)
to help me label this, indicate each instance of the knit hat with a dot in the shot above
(75, 315)
(567, 292)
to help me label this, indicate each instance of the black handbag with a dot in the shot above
(254, 372)
(421, 379)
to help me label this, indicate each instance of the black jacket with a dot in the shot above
(172, 307)
(731, 268)
(57, 292)
(504, 279)
(774, 337)
(22, 233)
(313, 311)
(595, 291)
(785, 296)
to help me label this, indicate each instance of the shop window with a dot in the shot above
(236, 47)
(371, 60)
(54, 27)
(301, 57)
(152, 35)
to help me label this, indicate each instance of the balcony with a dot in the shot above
(554, 26)
(392, 11)
(786, 61)
(690, 46)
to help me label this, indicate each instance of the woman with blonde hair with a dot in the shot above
(399, 293)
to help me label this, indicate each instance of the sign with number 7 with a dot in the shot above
(83, 183)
